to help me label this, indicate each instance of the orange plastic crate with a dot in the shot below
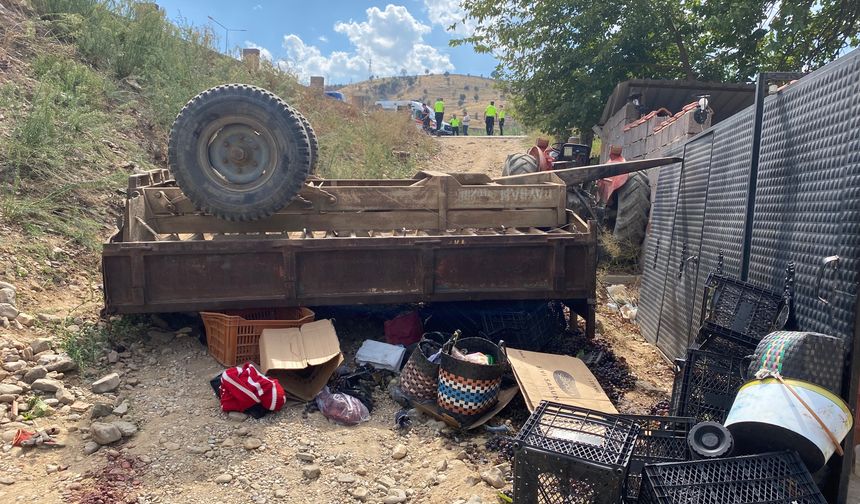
(233, 336)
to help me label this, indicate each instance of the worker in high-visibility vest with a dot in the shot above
(501, 120)
(490, 117)
(455, 125)
(439, 107)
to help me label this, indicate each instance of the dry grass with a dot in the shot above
(89, 94)
(615, 257)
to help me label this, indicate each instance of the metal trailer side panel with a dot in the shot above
(208, 275)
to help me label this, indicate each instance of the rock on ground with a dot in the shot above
(105, 433)
(106, 384)
(8, 311)
(125, 428)
(398, 452)
(311, 472)
(47, 385)
(8, 388)
(34, 374)
(40, 345)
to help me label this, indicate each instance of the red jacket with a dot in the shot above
(244, 386)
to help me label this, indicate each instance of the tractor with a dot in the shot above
(620, 204)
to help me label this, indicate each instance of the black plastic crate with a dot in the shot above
(527, 325)
(716, 343)
(740, 311)
(660, 439)
(569, 455)
(772, 478)
(708, 385)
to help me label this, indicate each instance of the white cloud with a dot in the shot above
(257, 7)
(389, 40)
(323, 39)
(264, 53)
(446, 13)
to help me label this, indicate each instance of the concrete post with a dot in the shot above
(251, 57)
(318, 83)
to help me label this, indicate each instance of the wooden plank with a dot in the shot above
(348, 221)
(347, 199)
(345, 222)
(135, 215)
(507, 197)
(508, 218)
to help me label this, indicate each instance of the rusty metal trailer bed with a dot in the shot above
(438, 237)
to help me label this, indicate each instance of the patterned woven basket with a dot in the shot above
(419, 379)
(468, 390)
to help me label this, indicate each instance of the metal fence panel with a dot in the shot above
(657, 245)
(674, 327)
(807, 197)
(725, 213)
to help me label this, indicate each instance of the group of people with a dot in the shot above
(490, 116)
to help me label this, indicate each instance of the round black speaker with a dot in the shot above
(709, 440)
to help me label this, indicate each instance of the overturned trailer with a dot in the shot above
(436, 237)
(240, 221)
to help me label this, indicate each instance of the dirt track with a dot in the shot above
(477, 154)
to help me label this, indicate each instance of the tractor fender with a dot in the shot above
(544, 163)
(606, 187)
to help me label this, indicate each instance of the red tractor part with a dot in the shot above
(607, 186)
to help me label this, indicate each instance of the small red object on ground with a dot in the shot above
(404, 329)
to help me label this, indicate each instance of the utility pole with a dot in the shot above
(226, 33)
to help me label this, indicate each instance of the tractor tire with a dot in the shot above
(239, 152)
(634, 204)
(519, 164)
(312, 142)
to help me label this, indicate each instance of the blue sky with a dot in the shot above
(341, 39)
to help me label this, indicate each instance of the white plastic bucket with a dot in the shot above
(767, 417)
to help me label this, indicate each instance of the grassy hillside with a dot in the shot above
(88, 91)
(459, 91)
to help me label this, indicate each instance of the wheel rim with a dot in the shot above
(237, 152)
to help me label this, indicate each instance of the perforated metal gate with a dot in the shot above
(806, 196)
(655, 265)
(683, 267)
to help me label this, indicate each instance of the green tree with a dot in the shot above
(559, 74)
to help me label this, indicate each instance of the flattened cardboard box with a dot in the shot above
(558, 378)
(302, 359)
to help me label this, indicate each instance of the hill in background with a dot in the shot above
(460, 91)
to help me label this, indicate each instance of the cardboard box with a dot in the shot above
(558, 378)
(302, 359)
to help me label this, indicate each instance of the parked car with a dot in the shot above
(337, 95)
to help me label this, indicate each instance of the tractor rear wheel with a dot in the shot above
(239, 152)
(519, 164)
(634, 204)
